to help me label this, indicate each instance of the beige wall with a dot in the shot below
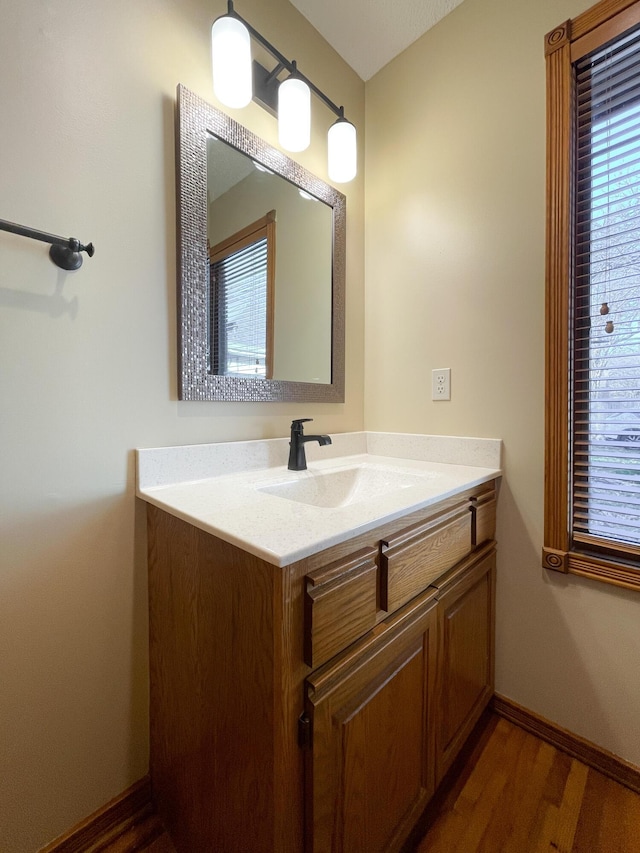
(454, 267)
(87, 370)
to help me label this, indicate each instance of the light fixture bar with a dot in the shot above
(283, 61)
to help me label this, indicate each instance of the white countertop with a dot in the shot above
(217, 487)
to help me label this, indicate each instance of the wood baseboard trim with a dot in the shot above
(129, 819)
(589, 753)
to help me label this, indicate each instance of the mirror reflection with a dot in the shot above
(269, 302)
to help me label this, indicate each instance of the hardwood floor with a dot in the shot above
(518, 794)
(514, 793)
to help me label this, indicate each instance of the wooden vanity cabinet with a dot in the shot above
(314, 708)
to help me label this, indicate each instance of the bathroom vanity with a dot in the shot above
(313, 700)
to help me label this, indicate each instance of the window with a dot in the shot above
(592, 460)
(240, 311)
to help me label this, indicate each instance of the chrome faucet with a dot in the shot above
(297, 457)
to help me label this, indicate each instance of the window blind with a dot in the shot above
(238, 312)
(606, 300)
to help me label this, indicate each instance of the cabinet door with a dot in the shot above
(370, 767)
(466, 644)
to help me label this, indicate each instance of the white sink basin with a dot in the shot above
(346, 486)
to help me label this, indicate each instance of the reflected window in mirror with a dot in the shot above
(241, 285)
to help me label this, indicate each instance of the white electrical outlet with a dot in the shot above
(441, 383)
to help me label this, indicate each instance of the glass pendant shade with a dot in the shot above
(342, 151)
(294, 114)
(231, 60)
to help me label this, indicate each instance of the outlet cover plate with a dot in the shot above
(441, 383)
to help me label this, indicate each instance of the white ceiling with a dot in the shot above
(369, 33)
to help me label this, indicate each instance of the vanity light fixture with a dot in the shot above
(231, 60)
(342, 151)
(236, 80)
(294, 113)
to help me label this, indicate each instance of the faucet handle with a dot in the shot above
(296, 426)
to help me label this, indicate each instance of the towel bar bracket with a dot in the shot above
(64, 251)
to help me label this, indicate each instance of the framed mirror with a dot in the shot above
(261, 267)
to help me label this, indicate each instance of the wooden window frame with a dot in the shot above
(265, 227)
(564, 46)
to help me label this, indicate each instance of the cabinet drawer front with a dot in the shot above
(410, 561)
(484, 517)
(340, 605)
